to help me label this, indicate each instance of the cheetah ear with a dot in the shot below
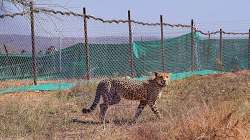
(156, 74)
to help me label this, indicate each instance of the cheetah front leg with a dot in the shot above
(154, 108)
(140, 108)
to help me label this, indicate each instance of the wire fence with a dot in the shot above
(69, 45)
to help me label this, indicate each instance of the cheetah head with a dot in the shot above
(161, 78)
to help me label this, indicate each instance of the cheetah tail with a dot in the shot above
(94, 104)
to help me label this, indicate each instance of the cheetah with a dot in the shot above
(147, 92)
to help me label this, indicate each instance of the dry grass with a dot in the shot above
(209, 107)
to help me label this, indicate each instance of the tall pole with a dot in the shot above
(86, 44)
(34, 62)
(130, 58)
(192, 46)
(162, 44)
(221, 46)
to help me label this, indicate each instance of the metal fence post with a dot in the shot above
(221, 46)
(130, 57)
(192, 46)
(86, 44)
(249, 49)
(34, 62)
(162, 44)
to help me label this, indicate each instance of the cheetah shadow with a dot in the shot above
(118, 122)
(86, 122)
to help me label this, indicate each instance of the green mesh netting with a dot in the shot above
(40, 87)
(112, 59)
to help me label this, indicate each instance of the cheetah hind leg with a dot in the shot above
(103, 110)
(107, 101)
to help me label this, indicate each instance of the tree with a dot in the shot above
(20, 5)
(23, 52)
(16, 2)
(51, 49)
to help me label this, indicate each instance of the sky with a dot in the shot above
(208, 15)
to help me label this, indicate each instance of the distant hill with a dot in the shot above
(17, 43)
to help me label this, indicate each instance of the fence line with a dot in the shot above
(130, 21)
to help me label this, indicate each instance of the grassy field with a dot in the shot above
(200, 107)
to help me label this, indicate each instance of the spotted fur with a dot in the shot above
(112, 90)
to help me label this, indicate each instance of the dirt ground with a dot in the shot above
(200, 107)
